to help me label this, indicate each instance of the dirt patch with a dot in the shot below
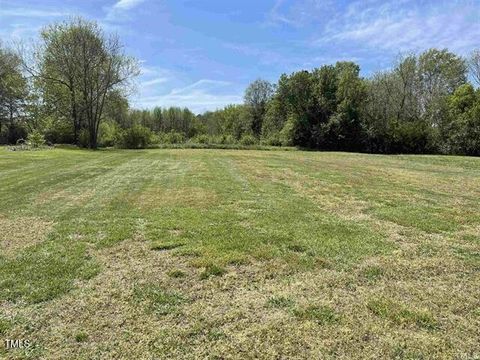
(16, 234)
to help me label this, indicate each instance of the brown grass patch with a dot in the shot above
(16, 234)
(328, 313)
(331, 198)
(65, 196)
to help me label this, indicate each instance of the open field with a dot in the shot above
(239, 254)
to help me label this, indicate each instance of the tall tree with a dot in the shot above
(81, 65)
(440, 72)
(474, 66)
(13, 87)
(257, 96)
(345, 127)
(462, 132)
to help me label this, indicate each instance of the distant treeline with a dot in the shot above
(426, 103)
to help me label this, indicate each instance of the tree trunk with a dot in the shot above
(92, 138)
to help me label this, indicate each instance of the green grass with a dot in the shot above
(280, 302)
(323, 314)
(401, 314)
(187, 247)
(176, 273)
(81, 337)
(157, 299)
(212, 270)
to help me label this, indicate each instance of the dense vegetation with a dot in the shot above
(73, 88)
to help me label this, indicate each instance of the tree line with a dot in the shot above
(73, 88)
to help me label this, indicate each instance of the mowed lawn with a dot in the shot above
(239, 254)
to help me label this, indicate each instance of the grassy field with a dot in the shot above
(239, 254)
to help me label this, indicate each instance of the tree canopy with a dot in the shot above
(76, 90)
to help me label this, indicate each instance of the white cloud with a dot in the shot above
(155, 81)
(398, 26)
(200, 86)
(200, 96)
(387, 26)
(22, 23)
(127, 4)
(300, 13)
(31, 13)
(119, 11)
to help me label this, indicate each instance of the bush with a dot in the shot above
(136, 137)
(58, 132)
(248, 140)
(172, 138)
(12, 133)
(273, 140)
(84, 138)
(108, 134)
(36, 139)
(212, 139)
(227, 140)
(202, 139)
(288, 132)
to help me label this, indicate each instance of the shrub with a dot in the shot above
(201, 139)
(108, 134)
(248, 140)
(12, 133)
(227, 140)
(58, 132)
(136, 137)
(84, 138)
(287, 133)
(172, 138)
(155, 139)
(273, 140)
(36, 139)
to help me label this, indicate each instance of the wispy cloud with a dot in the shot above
(31, 13)
(119, 11)
(155, 81)
(275, 15)
(202, 95)
(22, 23)
(200, 86)
(262, 54)
(397, 26)
(127, 4)
(300, 13)
(152, 76)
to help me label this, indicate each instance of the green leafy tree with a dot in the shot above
(13, 94)
(474, 66)
(257, 96)
(440, 73)
(80, 66)
(462, 133)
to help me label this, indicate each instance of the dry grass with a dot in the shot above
(208, 268)
(67, 197)
(330, 314)
(17, 234)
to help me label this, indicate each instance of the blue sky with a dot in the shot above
(203, 53)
